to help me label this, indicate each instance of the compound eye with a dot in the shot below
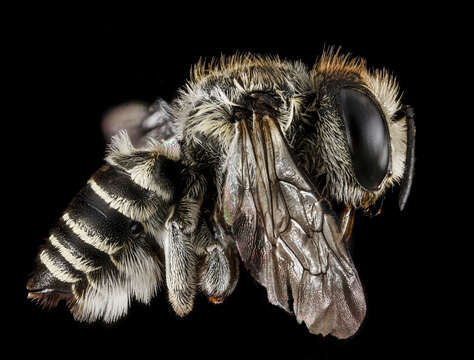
(367, 135)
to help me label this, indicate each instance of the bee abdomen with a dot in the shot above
(72, 257)
(120, 192)
(81, 254)
(75, 259)
(58, 266)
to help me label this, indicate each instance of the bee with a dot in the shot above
(259, 161)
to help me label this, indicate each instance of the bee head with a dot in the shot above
(106, 249)
(361, 145)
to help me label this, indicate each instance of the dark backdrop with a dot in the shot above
(67, 75)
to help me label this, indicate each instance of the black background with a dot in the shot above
(68, 74)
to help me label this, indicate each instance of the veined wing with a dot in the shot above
(289, 239)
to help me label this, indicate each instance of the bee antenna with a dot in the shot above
(409, 172)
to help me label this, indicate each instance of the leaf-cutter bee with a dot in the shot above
(258, 161)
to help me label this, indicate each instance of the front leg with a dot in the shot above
(180, 256)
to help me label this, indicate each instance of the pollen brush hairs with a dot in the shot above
(258, 161)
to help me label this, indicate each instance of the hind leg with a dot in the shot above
(179, 246)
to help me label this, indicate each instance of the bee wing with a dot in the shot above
(140, 121)
(289, 239)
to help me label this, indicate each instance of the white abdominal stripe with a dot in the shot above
(127, 194)
(75, 253)
(77, 261)
(91, 250)
(135, 210)
(145, 166)
(90, 236)
(59, 269)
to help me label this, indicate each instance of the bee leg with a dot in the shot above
(219, 265)
(180, 255)
(180, 270)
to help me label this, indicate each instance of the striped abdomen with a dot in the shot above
(106, 248)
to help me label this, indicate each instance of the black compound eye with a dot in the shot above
(368, 137)
(136, 229)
